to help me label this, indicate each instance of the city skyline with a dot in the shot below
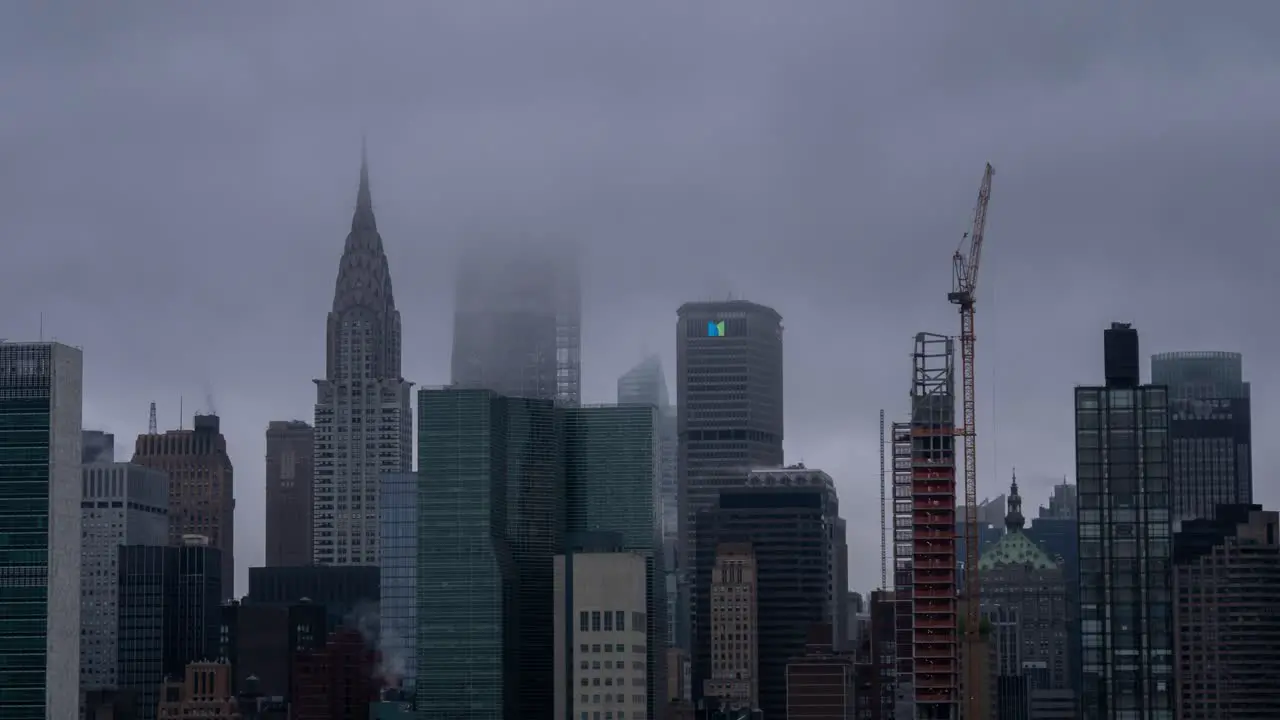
(822, 209)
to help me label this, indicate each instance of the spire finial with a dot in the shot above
(363, 219)
(1013, 521)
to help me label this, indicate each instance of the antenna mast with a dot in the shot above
(884, 547)
(151, 423)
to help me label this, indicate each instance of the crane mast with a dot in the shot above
(965, 265)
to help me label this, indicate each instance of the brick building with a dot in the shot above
(337, 682)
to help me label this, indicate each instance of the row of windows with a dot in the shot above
(608, 621)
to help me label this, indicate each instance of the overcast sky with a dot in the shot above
(176, 181)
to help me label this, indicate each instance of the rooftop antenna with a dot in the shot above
(151, 422)
(41, 327)
(180, 411)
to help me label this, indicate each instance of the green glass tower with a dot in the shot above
(612, 470)
(40, 493)
(490, 519)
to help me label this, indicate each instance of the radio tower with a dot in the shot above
(151, 423)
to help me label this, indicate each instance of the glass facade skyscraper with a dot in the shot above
(398, 608)
(1210, 431)
(490, 517)
(40, 496)
(612, 461)
(1122, 471)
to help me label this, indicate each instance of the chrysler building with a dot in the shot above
(363, 425)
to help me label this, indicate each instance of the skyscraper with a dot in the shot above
(40, 422)
(201, 487)
(611, 485)
(645, 384)
(124, 504)
(290, 463)
(729, 408)
(1122, 471)
(517, 321)
(398, 597)
(1210, 431)
(363, 427)
(490, 517)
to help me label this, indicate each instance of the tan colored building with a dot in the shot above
(735, 662)
(205, 692)
(201, 487)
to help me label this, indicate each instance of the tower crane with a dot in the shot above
(964, 286)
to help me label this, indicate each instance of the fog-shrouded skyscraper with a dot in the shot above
(363, 427)
(646, 384)
(729, 409)
(1210, 432)
(40, 423)
(1122, 473)
(517, 320)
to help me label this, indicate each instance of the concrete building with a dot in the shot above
(487, 533)
(645, 384)
(261, 642)
(290, 450)
(363, 423)
(1122, 471)
(1226, 629)
(201, 487)
(735, 661)
(729, 400)
(205, 691)
(789, 529)
(345, 591)
(601, 600)
(881, 656)
(1210, 431)
(1053, 705)
(170, 610)
(97, 446)
(124, 504)
(1018, 577)
(925, 561)
(821, 684)
(398, 608)
(517, 320)
(40, 453)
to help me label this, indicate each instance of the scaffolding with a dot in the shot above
(925, 469)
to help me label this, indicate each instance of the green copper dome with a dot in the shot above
(1015, 548)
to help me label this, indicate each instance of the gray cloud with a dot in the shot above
(176, 183)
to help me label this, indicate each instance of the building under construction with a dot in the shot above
(924, 539)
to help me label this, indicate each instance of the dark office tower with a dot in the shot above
(1227, 630)
(729, 408)
(398, 605)
(516, 322)
(260, 641)
(170, 611)
(290, 445)
(789, 529)
(364, 427)
(490, 518)
(97, 446)
(611, 468)
(1122, 471)
(40, 406)
(1210, 431)
(201, 487)
(344, 590)
(1018, 576)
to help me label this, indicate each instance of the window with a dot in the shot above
(595, 621)
(608, 621)
(620, 620)
(582, 621)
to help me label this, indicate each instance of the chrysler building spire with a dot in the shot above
(363, 426)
